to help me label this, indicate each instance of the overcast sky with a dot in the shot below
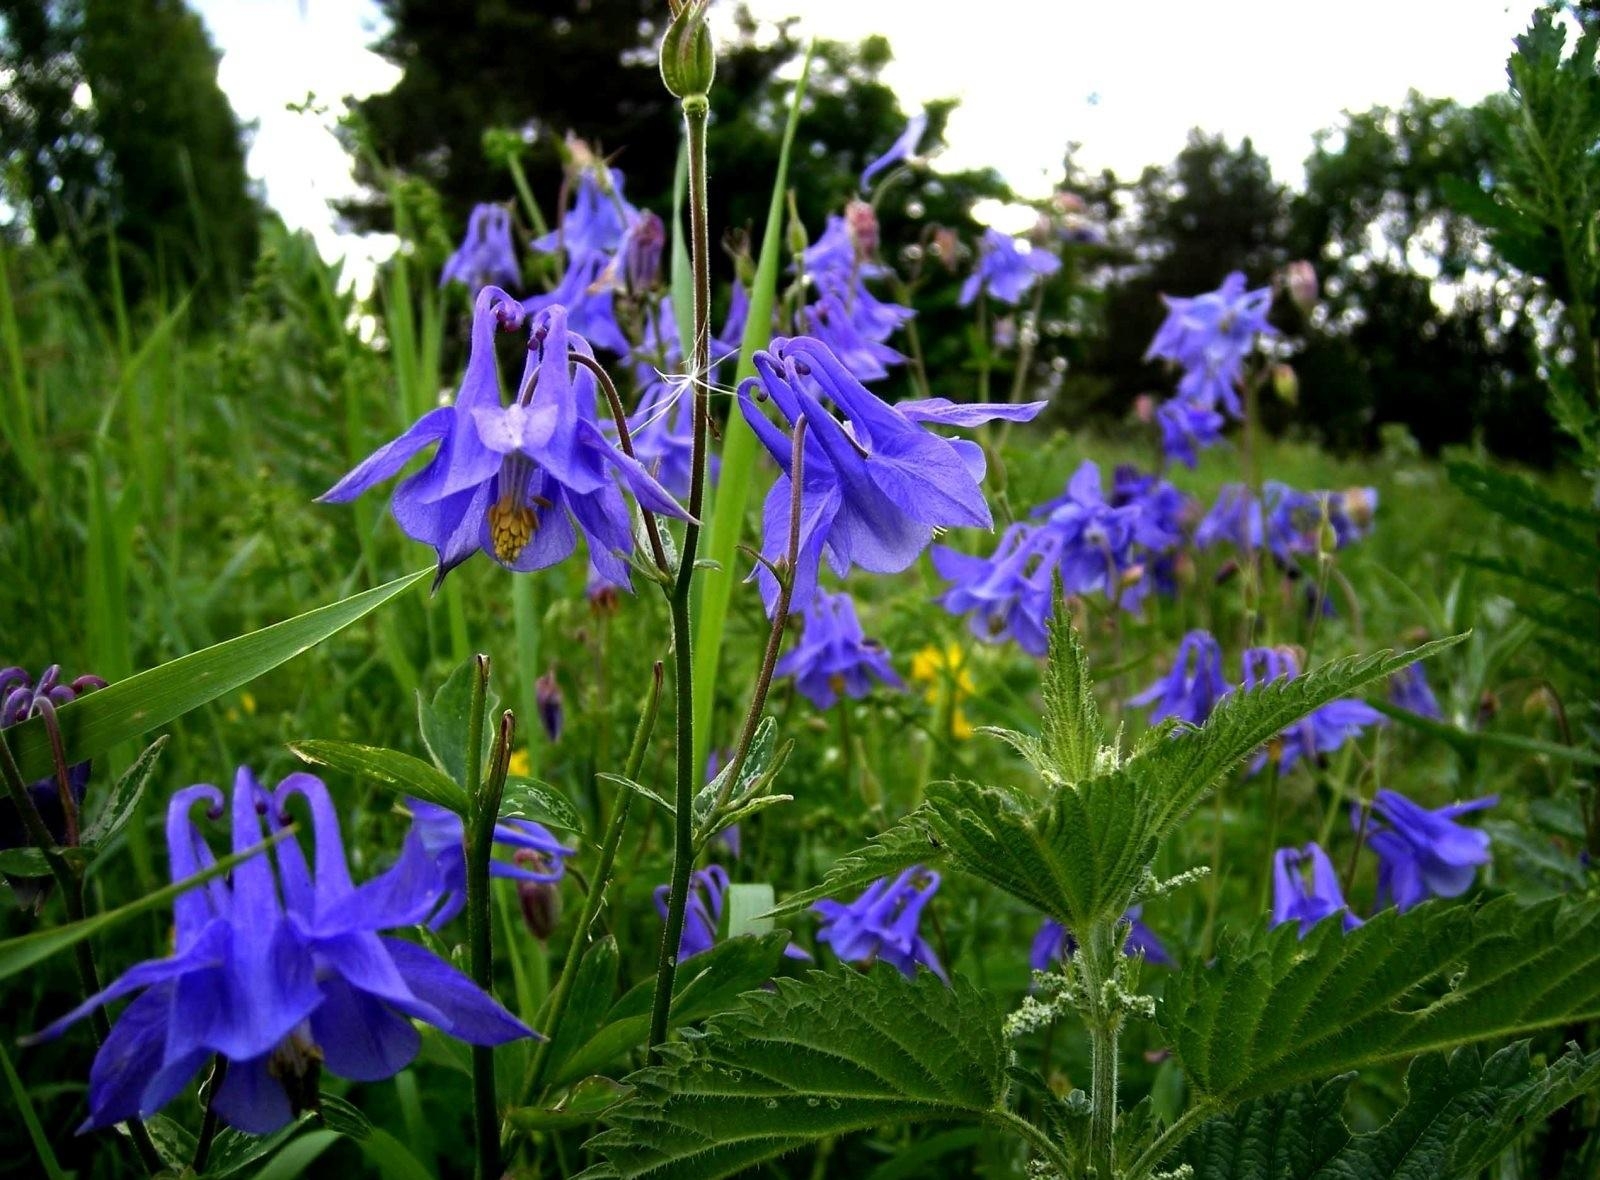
(1126, 81)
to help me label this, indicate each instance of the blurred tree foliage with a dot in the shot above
(112, 120)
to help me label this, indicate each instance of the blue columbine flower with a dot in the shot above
(853, 322)
(1005, 271)
(598, 220)
(1423, 853)
(515, 480)
(902, 149)
(443, 838)
(20, 699)
(485, 255)
(834, 655)
(877, 484)
(882, 923)
(1007, 594)
(1194, 686)
(1055, 942)
(1322, 731)
(1098, 539)
(1186, 429)
(280, 988)
(1293, 901)
(1409, 689)
(588, 294)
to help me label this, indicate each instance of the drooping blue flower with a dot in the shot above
(1212, 333)
(1008, 593)
(854, 322)
(876, 484)
(279, 988)
(1409, 689)
(1005, 271)
(485, 256)
(882, 923)
(1322, 731)
(587, 292)
(640, 251)
(1186, 429)
(902, 149)
(1055, 942)
(833, 655)
(1194, 685)
(598, 220)
(1295, 901)
(866, 358)
(1423, 853)
(702, 916)
(1100, 541)
(514, 480)
(20, 699)
(443, 838)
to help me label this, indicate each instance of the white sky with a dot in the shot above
(1127, 81)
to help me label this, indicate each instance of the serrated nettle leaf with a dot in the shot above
(826, 1055)
(1287, 1136)
(908, 842)
(649, 793)
(101, 720)
(1073, 732)
(527, 798)
(1180, 771)
(445, 719)
(1274, 1012)
(401, 773)
(703, 986)
(122, 800)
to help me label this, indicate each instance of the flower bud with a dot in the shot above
(642, 251)
(688, 57)
(547, 696)
(1286, 383)
(862, 223)
(540, 900)
(1144, 408)
(1301, 280)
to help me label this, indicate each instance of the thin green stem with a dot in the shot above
(208, 1124)
(696, 111)
(483, 810)
(1035, 1136)
(596, 895)
(1097, 962)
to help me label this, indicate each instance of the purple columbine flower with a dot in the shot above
(1005, 271)
(513, 480)
(20, 699)
(1100, 541)
(903, 148)
(1321, 732)
(443, 837)
(598, 220)
(866, 358)
(1007, 594)
(588, 294)
(1423, 853)
(280, 988)
(1215, 330)
(834, 656)
(1409, 690)
(1294, 901)
(876, 484)
(853, 322)
(1194, 686)
(485, 255)
(1055, 942)
(641, 251)
(882, 923)
(1186, 429)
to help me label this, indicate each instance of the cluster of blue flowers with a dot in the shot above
(280, 974)
(1208, 337)
(834, 656)
(882, 923)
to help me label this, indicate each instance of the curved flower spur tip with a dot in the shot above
(903, 148)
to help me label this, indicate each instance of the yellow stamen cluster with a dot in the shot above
(511, 527)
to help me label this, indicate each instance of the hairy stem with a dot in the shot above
(696, 111)
(483, 809)
(1097, 962)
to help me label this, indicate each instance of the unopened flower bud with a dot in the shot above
(1144, 408)
(581, 157)
(1285, 383)
(642, 251)
(540, 900)
(1068, 202)
(1301, 281)
(947, 247)
(688, 56)
(795, 231)
(862, 222)
(547, 696)
(1360, 504)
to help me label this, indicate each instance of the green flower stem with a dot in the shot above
(1096, 961)
(696, 111)
(208, 1124)
(83, 956)
(483, 810)
(597, 887)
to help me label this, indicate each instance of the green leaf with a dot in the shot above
(1073, 731)
(748, 908)
(27, 861)
(825, 1056)
(391, 1158)
(1461, 1113)
(592, 994)
(402, 773)
(445, 720)
(527, 798)
(122, 800)
(725, 507)
(583, 1104)
(1274, 1012)
(18, 954)
(1181, 770)
(908, 842)
(649, 793)
(703, 986)
(98, 721)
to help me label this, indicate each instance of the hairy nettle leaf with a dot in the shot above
(1274, 1012)
(821, 1056)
